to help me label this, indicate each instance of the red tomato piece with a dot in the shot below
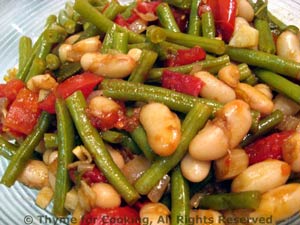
(182, 83)
(269, 147)
(121, 21)
(147, 7)
(90, 177)
(116, 216)
(186, 56)
(23, 112)
(84, 82)
(11, 89)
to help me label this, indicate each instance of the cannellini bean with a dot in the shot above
(135, 53)
(155, 214)
(245, 10)
(231, 165)
(194, 170)
(116, 156)
(235, 118)
(262, 176)
(265, 89)
(162, 127)
(73, 53)
(35, 175)
(230, 75)
(257, 100)
(106, 196)
(41, 82)
(280, 203)
(108, 65)
(286, 105)
(214, 88)
(291, 152)
(288, 46)
(205, 217)
(72, 39)
(244, 36)
(209, 144)
(100, 105)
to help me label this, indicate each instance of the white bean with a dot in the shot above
(41, 82)
(288, 46)
(205, 217)
(100, 106)
(194, 170)
(108, 65)
(155, 214)
(106, 196)
(257, 100)
(135, 53)
(286, 105)
(230, 75)
(162, 127)
(209, 144)
(280, 203)
(214, 88)
(265, 89)
(245, 10)
(291, 152)
(231, 165)
(35, 175)
(262, 176)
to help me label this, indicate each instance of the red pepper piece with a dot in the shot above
(269, 147)
(116, 216)
(186, 56)
(23, 112)
(84, 82)
(147, 7)
(11, 89)
(182, 83)
(90, 177)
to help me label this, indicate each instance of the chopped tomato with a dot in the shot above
(116, 216)
(23, 112)
(90, 177)
(187, 84)
(11, 89)
(147, 7)
(224, 12)
(84, 82)
(186, 56)
(269, 147)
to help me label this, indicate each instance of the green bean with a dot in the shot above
(279, 84)
(144, 65)
(208, 25)
(65, 133)
(7, 149)
(25, 50)
(293, 29)
(210, 45)
(264, 126)
(55, 34)
(51, 140)
(113, 9)
(108, 39)
(44, 49)
(194, 121)
(50, 20)
(265, 60)
(166, 17)
(276, 21)
(52, 61)
(251, 80)
(129, 144)
(182, 4)
(38, 67)
(66, 22)
(90, 31)
(120, 42)
(245, 71)
(140, 138)
(180, 198)
(25, 151)
(94, 143)
(92, 15)
(67, 70)
(194, 26)
(239, 200)
(210, 65)
(128, 11)
(265, 41)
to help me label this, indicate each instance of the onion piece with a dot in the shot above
(44, 197)
(158, 190)
(82, 153)
(77, 215)
(149, 16)
(71, 201)
(135, 168)
(286, 105)
(289, 123)
(138, 26)
(86, 196)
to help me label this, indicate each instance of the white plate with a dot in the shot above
(27, 17)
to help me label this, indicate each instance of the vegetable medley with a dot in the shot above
(157, 112)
